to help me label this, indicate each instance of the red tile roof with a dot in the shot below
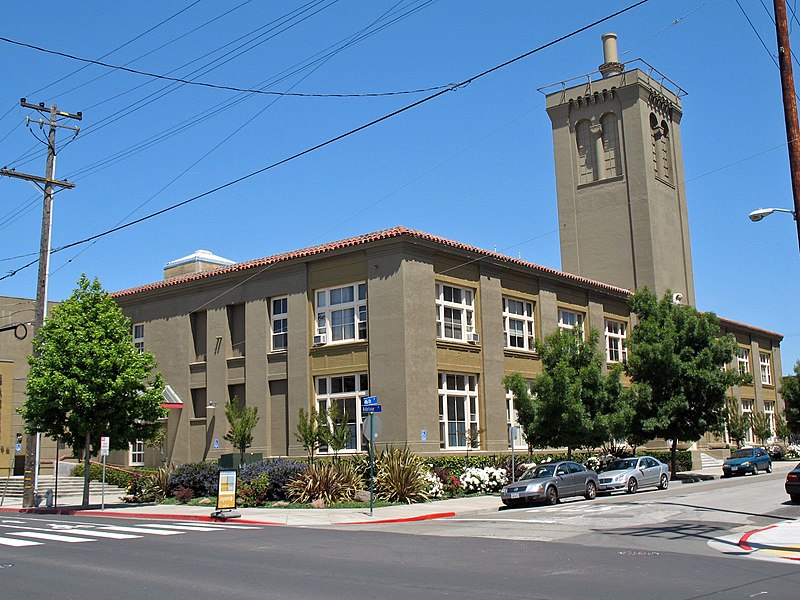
(386, 234)
(360, 240)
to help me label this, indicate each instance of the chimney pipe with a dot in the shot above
(611, 65)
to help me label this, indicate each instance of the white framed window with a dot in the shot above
(512, 420)
(769, 411)
(279, 323)
(616, 341)
(346, 391)
(743, 361)
(342, 313)
(518, 324)
(765, 361)
(455, 312)
(136, 454)
(458, 410)
(138, 337)
(570, 320)
(747, 411)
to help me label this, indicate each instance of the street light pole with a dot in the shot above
(789, 103)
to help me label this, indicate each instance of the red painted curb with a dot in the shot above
(743, 540)
(401, 519)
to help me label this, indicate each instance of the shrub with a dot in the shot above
(330, 482)
(279, 473)
(792, 452)
(114, 476)
(776, 451)
(202, 478)
(143, 489)
(255, 492)
(483, 481)
(183, 494)
(435, 487)
(401, 476)
(451, 485)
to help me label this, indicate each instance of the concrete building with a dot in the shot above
(427, 324)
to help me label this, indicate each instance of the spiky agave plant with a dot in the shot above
(401, 476)
(330, 482)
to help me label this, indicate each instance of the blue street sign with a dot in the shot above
(216, 444)
(369, 400)
(371, 408)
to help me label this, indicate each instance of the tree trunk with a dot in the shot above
(87, 457)
(569, 453)
(673, 459)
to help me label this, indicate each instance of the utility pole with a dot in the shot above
(46, 183)
(789, 104)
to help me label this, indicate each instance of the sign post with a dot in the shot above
(370, 405)
(226, 496)
(105, 444)
(512, 435)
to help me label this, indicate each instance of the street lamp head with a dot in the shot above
(211, 405)
(759, 214)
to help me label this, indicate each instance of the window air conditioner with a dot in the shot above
(473, 337)
(321, 339)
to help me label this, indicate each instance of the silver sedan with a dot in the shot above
(630, 474)
(550, 482)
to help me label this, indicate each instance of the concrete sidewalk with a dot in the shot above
(114, 507)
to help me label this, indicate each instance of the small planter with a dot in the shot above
(234, 461)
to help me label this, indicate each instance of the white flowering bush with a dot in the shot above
(435, 486)
(792, 451)
(488, 479)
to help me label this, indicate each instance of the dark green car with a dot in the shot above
(747, 460)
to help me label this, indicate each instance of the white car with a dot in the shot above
(630, 474)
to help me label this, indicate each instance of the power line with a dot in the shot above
(338, 137)
(229, 88)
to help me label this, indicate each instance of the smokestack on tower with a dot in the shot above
(611, 65)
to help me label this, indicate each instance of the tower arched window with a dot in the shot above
(587, 152)
(662, 148)
(611, 166)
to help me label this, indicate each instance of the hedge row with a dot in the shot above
(114, 476)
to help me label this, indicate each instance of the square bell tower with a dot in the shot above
(619, 177)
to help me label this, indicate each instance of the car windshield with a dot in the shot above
(540, 472)
(742, 453)
(622, 465)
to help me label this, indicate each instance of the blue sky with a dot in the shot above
(474, 165)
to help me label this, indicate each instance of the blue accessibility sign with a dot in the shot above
(369, 400)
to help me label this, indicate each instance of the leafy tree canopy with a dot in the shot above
(790, 389)
(677, 355)
(87, 379)
(242, 420)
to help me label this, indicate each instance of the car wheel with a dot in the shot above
(795, 498)
(591, 491)
(769, 468)
(664, 483)
(633, 485)
(755, 469)
(551, 495)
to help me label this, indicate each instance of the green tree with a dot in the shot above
(242, 420)
(87, 379)
(735, 422)
(333, 429)
(790, 389)
(677, 354)
(307, 432)
(573, 400)
(782, 430)
(761, 427)
(523, 404)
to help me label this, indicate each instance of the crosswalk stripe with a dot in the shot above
(219, 525)
(139, 530)
(101, 534)
(18, 543)
(49, 536)
(182, 527)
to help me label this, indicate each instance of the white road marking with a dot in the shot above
(103, 534)
(49, 536)
(17, 543)
(218, 525)
(181, 527)
(140, 530)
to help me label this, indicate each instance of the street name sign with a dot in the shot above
(371, 408)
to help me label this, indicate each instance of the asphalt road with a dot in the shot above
(653, 548)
